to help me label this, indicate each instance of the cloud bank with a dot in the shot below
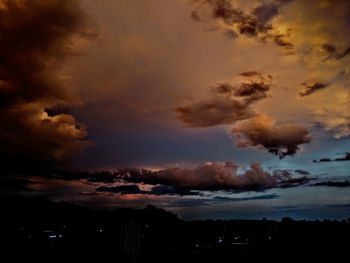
(216, 176)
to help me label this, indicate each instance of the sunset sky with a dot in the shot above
(235, 109)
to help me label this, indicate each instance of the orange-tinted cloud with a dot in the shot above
(262, 132)
(309, 87)
(228, 102)
(232, 104)
(234, 21)
(35, 36)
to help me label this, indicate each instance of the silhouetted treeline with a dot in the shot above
(37, 230)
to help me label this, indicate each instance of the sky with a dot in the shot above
(219, 108)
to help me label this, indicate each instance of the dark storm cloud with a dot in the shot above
(122, 189)
(310, 87)
(228, 103)
(345, 158)
(257, 23)
(156, 190)
(262, 132)
(333, 184)
(35, 36)
(57, 110)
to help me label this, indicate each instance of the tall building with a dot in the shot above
(131, 237)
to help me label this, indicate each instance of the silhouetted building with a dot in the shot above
(131, 238)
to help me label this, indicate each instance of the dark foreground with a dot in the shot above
(36, 230)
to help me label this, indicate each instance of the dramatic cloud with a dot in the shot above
(182, 181)
(231, 104)
(323, 46)
(217, 176)
(35, 36)
(305, 32)
(262, 132)
(309, 87)
(228, 102)
(255, 23)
